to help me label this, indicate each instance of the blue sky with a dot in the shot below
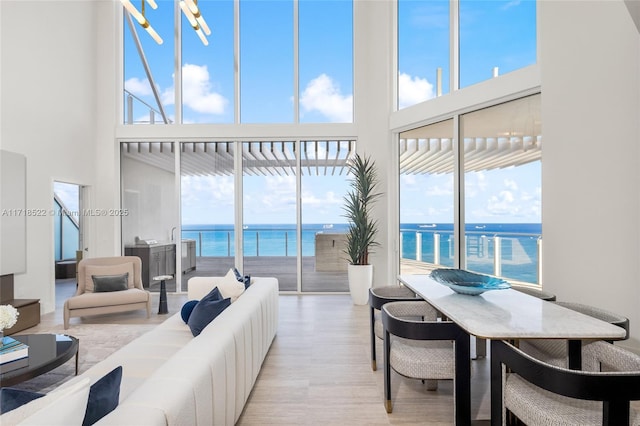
(493, 34)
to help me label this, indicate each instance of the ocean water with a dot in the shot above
(517, 242)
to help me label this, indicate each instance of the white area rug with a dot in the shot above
(97, 341)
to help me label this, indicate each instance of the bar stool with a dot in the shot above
(378, 296)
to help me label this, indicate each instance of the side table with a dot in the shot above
(162, 307)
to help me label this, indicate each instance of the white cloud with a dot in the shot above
(323, 95)
(138, 86)
(511, 4)
(437, 190)
(503, 205)
(413, 90)
(511, 184)
(197, 91)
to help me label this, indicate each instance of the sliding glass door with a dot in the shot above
(207, 208)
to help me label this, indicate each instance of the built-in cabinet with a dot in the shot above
(157, 259)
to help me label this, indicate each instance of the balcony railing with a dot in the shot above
(509, 255)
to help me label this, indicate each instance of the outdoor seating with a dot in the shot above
(538, 393)
(378, 296)
(417, 345)
(554, 351)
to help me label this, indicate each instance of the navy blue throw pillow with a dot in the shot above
(206, 310)
(186, 310)
(238, 275)
(11, 398)
(103, 396)
(246, 279)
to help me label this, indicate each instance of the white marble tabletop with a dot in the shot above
(510, 314)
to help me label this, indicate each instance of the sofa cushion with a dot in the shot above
(106, 283)
(120, 268)
(63, 407)
(187, 309)
(103, 396)
(230, 287)
(11, 398)
(206, 310)
(96, 300)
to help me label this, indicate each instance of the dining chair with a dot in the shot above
(554, 351)
(535, 292)
(378, 296)
(418, 345)
(539, 393)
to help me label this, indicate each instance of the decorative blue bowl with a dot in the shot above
(465, 282)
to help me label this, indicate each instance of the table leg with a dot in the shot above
(162, 308)
(575, 354)
(462, 383)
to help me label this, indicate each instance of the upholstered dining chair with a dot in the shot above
(417, 345)
(378, 296)
(555, 351)
(538, 393)
(535, 292)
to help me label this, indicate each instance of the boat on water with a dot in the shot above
(433, 225)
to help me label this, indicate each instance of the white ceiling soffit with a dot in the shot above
(259, 158)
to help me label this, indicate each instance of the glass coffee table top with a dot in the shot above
(46, 352)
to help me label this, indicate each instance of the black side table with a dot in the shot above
(162, 307)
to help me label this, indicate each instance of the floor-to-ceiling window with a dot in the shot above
(496, 203)
(149, 196)
(502, 189)
(427, 197)
(207, 189)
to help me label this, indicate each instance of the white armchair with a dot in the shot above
(86, 301)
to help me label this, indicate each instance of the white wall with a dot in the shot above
(372, 106)
(47, 114)
(590, 62)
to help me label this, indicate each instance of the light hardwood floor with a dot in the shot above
(318, 369)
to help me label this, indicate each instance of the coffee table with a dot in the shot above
(46, 352)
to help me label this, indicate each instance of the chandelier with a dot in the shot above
(189, 8)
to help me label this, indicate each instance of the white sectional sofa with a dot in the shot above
(170, 377)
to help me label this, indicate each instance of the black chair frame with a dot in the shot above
(375, 303)
(430, 330)
(614, 389)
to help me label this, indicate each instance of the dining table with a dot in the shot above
(505, 314)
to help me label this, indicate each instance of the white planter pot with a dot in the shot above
(360, 281)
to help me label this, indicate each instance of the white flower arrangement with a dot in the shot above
(8, 316)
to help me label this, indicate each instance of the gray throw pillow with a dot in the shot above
(104, 283)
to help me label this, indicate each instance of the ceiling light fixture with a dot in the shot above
(139, 16)
(194, 22)
(193, 8)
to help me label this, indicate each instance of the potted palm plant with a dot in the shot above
(361, 235)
